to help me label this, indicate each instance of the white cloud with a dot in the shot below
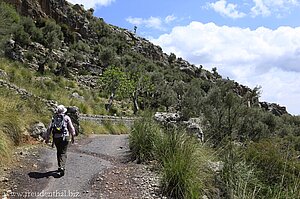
(281, 87)
(92, 3)
(135, 20)
(268, 7)
(157, 23)
(170, 18)
(151, 22)
(260, 9)
(265, 57)
(226, 9)
(154, 22)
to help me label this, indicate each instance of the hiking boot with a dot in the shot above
(61, 171)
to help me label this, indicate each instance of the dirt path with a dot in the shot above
(97, 167)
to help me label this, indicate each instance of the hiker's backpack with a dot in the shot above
(58, 124)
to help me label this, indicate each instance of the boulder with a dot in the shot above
(79, 8)
(77, 96)
(73, 113)
(88, 80)
(38, 130)
(3, 74)
(193, 126)
(10, 51)
(165, 117)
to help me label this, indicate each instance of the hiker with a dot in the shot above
(62, 129)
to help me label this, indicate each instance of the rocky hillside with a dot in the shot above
(80, 46)
(81, 27)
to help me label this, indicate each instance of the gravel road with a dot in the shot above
(86, 160)
(97, 167)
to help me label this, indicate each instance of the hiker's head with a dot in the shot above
(61, 109)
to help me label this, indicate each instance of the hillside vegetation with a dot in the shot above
(103, 69)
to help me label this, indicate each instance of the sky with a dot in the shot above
(254, 42)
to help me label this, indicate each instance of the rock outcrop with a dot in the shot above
(166, 118)
(274, 108)
(192, 126)
(59, 10)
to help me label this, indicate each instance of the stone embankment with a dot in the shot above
(101, 119)
(26, 94)
(73, 112)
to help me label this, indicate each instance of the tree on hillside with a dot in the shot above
(168, 97)
(171, 58)
(53, 38)
(222, 109)
(180, 89)
(115, 82)
(100, 28)
(30, 28)
(8, 17)
(215, 73)
(142, 85)
(8, 20)
(192, 100)
(253, 97)
(107, 57)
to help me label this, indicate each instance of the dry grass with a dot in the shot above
(90, 127)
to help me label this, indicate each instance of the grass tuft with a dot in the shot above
(177, 153)
(5, 149)
(182, 160)
(142, 139)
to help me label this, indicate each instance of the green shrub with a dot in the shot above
(8, 18)
(52, 34)
(275, 159)
(29, 55)
(142, 138)
(30, 28)
(68, 34)
(21, 36)
(176, 151)
(276, 165)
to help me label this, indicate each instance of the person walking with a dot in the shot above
(61, 128)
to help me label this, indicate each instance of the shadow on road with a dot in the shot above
(38, 175)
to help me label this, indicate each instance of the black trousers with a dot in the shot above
(61, 146)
